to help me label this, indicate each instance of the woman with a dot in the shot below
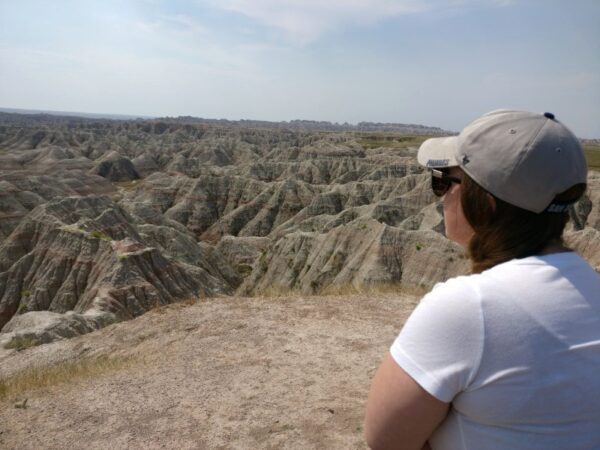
(509, 356)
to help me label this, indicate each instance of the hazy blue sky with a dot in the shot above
(435, 62)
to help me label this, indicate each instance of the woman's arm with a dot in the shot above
(400, 413)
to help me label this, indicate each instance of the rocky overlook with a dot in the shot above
(103, 220)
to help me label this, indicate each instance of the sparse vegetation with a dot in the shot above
(42, 377)
(74, 229)
(263, 261)
(100, 235)
(377, 140)
(125, 184)
(244, 269)
(419, 246)
(22, 341)
(372, 289)
(161, 308)
(188, 350)
(345, 290)
(21, 404)
(592, 154)
(25, 293)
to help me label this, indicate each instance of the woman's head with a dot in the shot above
(523, 158)
(517, 173)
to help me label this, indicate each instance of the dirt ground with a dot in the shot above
(224, 373)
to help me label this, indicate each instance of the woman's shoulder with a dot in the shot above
(455, 294)
(523, 280)
(459, 285)
(473, 288)
(519, 268)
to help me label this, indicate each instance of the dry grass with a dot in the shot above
(223, 373)
(374, 289)
(346, 289)
(277, 291)
(592, 154)
(160, 308)
(19, 383)
(376, 140)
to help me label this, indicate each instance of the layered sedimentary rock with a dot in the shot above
(29, 178)
(85, 254)
(362, 253)
(583, 233)
(115, 167)
(102, 220)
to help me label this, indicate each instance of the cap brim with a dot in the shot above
(439, 152)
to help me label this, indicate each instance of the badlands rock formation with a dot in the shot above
(102, 220)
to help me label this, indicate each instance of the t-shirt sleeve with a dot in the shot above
(441, 343)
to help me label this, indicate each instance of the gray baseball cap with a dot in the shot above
(523, 158)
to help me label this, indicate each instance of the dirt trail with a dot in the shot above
(225, 373)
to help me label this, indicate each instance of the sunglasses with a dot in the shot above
(441, 181)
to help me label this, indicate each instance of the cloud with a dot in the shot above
(305, 21)
(183, 24)
(184, 39)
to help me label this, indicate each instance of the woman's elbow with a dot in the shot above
(378, 439)
(374, 443)
(377, 442)
(370, 437)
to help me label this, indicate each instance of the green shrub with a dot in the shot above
(22, 341)
(263, 261)
(244, 269)
(100, 235)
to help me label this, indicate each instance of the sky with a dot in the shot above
(432, 62)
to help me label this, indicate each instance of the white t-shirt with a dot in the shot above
(516, 349)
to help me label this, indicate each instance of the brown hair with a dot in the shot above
(507, 231)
